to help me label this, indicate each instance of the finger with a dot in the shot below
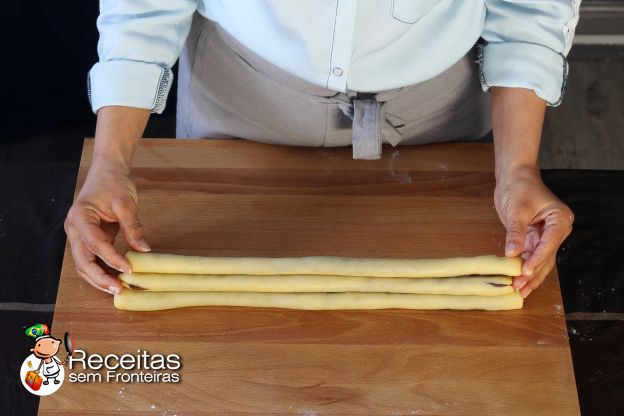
(530, 243)
(530, 282)
(81, 256)
(519, 282)
(130, 226)
(93, 273)
(515, 237)
(87, 224)
(92, 283)
(556, 229)
(87, 279)
(538, 278)
(531, 240)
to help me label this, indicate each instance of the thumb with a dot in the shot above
(130, 227)
(516, 234)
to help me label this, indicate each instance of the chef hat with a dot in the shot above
(38, 331)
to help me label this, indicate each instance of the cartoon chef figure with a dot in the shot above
(46, 347)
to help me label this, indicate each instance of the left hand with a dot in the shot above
(537, 222)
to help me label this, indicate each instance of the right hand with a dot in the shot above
(106, 203)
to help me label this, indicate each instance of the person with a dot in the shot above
(46, 347)
(329, 73)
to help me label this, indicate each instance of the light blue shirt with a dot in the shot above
(365, 45)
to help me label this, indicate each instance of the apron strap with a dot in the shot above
(366, 136)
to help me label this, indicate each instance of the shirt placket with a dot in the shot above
(366, 130)
(342, 45)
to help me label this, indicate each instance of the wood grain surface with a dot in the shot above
(236, 198)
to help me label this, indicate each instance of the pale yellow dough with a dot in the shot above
(472, 285)
(342, 266)
(153, 301)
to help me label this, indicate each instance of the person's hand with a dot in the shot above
(106, 203)
(537, 222)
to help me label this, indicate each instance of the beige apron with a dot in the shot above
(227, 91)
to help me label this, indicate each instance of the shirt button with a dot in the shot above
(337, 71)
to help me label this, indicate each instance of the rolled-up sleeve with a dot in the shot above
(140, 40)
(526, 44)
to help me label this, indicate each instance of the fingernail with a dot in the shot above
(529, 272)
(527, 293)
(124, 269)
(113, 290)
(521, 285)
(144, 246)
(510, 248)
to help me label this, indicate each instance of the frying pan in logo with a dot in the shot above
(70, 344)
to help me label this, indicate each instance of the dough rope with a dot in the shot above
(342, 266)
(469, 285)
(153, 301)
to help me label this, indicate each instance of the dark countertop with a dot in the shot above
(34, 198)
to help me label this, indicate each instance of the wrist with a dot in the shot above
(117, 136)
(111, 163)
(513, 171)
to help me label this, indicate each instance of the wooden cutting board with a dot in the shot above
(237, 198)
